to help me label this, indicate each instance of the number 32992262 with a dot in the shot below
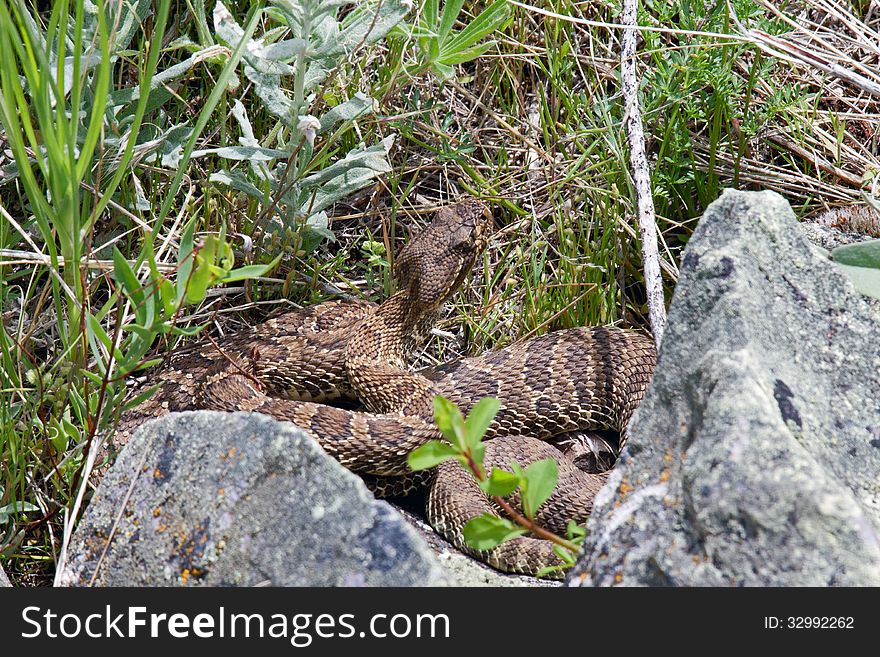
(809, 622)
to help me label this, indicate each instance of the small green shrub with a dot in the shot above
(535, 483)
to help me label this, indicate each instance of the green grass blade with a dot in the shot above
(102, 88)
(205, 114)
(146, 78)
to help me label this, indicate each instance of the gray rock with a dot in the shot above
(4, 580)
(205, 498)
(755, 457)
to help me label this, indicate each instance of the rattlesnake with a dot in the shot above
(294, 366)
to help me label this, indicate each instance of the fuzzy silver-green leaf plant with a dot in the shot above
(286, 68)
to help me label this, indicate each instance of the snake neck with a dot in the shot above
(376, 357)
(388, 336)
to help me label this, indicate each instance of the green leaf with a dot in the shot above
(169, 300)
(540, 480)
(433, 49)
(431, 454)
(449, 421)
(131, 15)
(355, 171)
(237, 181)
(94, 377)
(568, 560)
(125, 276)
(487, 531)
(565, 554)
(451, 10)
(57, 436)
(140, 398)
(152, 362)
(487, 22)
(199, 280)
(479, 419)
(366, 24)
(354, 108)
(159, 81)
(250, 271)
(862, 254)
(431, 13)
(865, 279)
(144, 333)
(466, 55)
(71, 431)
(268, 87)
(77, 402)
(248, 153)
(208, 250)
(442, 71)
(14, 508)
(225, 256)
(575, 531)
(546, 570)
(500, 483)
(187, 331)
(96, 331)
(135, 365)
(164, 292)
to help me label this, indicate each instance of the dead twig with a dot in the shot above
(640, 172)
(815, 160)
(803, 56)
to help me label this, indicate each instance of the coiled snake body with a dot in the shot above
(562, 383)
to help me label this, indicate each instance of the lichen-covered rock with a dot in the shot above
(206, 498)
(755, 456)
(4, 580)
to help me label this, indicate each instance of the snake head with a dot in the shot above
(434, 264)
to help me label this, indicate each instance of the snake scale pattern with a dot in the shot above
(297, 366)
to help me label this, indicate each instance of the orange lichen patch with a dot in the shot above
(161, 528)
(221, 491)
(625, 488)
(157, 512)
(189, 549)
(618, 578)
(184, 575)
(157, 474)
(664, 476)
(667, 458)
